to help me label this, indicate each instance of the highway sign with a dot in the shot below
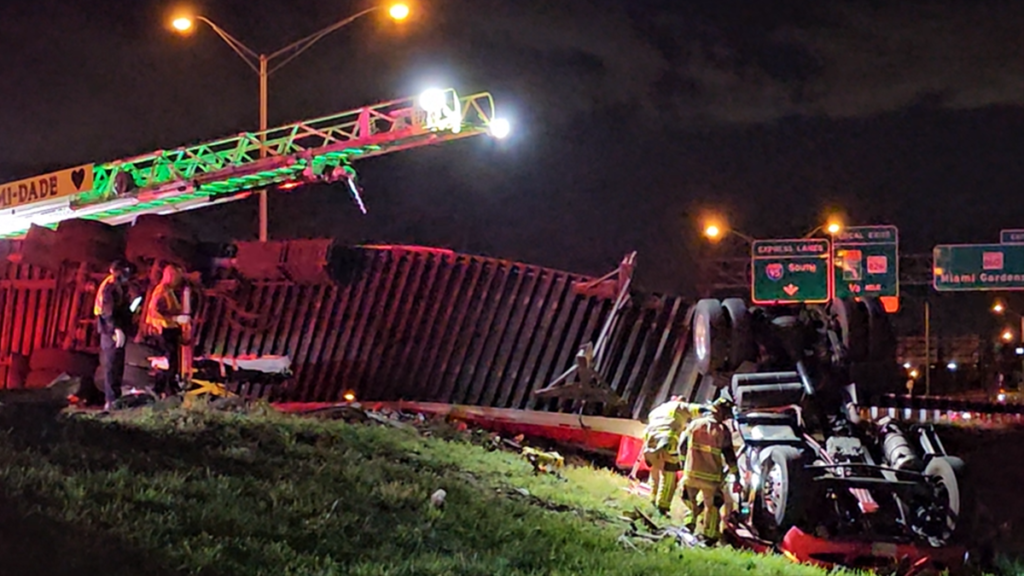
(791, 271)
(961, 267)
(866, 262)
(1011, 236)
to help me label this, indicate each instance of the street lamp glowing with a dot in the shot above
(833, 227)
(998, 308)
(398, 11)
(712, 231)
(182, 24)
(914, 373)
(1007, 335)
(500, 128)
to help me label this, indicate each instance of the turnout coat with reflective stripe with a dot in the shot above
(666, 424)
(708, 450)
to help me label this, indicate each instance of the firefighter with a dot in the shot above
(163, 321)
(113, 311)
(708, 449)
(665, 426)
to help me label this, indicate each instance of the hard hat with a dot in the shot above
(723, 405)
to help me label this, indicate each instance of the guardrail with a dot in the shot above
(949, 411)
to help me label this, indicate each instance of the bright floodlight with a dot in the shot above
(500, 128)
(399, 11)
(951, 366)
(432, 100)
(182, 24)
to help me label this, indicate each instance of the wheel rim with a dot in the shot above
(773, 490)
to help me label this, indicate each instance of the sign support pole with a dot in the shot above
(927, 350)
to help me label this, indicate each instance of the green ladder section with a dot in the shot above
(322, 149)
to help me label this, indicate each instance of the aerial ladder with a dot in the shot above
(230, 169)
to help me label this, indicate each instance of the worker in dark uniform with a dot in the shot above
(164, 320)
(112, 309)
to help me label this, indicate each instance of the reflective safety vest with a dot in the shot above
(666, 423)
(163, 307)
(707, 442)
(97, 307)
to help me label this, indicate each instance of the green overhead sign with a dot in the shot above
(961, 267)
(866, 262)
(790, 271)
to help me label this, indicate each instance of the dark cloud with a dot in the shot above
(721, 63)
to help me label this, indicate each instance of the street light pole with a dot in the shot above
(264, 210)
(264, 70)
(927, 349)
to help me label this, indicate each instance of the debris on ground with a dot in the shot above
(542, 455)
(642, 527)
(543, 462)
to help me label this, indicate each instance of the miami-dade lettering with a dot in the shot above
(46, 187)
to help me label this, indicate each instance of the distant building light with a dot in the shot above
(951, 366)
(906, 365)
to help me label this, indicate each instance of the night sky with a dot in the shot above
(631, 117)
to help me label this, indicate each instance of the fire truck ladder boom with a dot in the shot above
(319, 150)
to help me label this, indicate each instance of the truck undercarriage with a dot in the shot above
(813, 471)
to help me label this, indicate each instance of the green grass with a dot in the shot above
(200, 492)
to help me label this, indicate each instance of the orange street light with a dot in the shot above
(833, 226)
(399, 11)
(715, 230)
(1007, 335)
(182, 24)
(998, 307)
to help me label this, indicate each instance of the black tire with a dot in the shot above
(37, 379)
(741, 333)
(58, 360)
(709, 336)
(954, 495)
(133, 376)
(137, 354)
(89, 241)
(784, 492)
(852, 318)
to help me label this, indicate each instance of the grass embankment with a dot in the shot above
(198, 492)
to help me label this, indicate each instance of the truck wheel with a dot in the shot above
(853, 323)
(138, 354)
(708, 336)
(741, 334)
(783, 493)
(947, 518)
(133, 376)
(59, 360)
